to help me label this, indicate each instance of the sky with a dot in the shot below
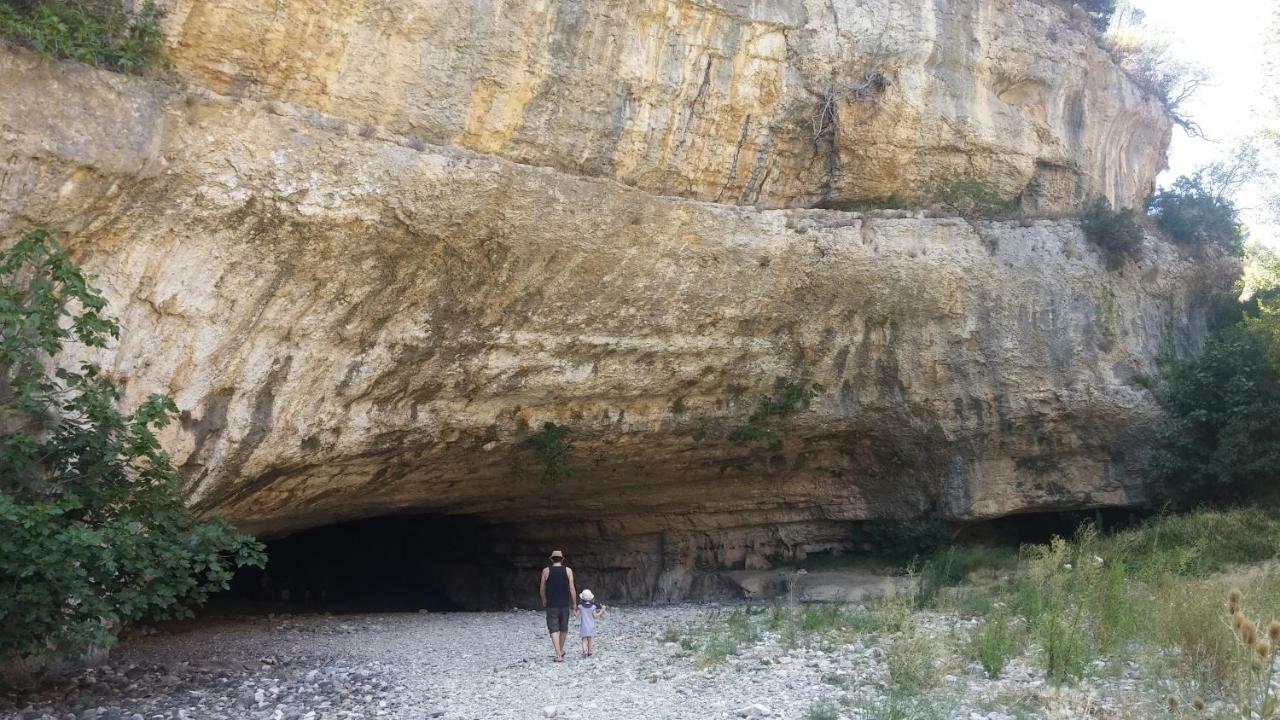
(1228, 38)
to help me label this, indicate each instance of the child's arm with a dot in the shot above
(597, 613)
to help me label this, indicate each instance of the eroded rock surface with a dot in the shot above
(778, 103)
(355, 322)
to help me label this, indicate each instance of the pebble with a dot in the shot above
(497, 666)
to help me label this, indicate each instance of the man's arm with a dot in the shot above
(542, 586)
(573, 591)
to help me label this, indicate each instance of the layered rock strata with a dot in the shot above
(776, 103)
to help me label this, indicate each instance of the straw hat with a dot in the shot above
(587, 595)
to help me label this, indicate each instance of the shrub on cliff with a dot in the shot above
(1117, 233)
(1100, 12)
(98, 32)
(1193, 213)
(93, 533)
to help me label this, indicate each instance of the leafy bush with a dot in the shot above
(552, 445)
(93, 534)
(901, 541)
(98, 32)
(1117, 233)
(1192, 214)
(1220, 440)
(762, 425)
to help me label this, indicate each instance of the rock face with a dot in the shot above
(355, 322)
(776, 103)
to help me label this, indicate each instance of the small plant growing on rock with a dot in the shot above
(822, 710)
(762, 425)
(554, 449)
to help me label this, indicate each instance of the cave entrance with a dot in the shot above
(392, 563)
(1041, 527)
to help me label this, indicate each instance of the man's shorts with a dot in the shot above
(557, 619)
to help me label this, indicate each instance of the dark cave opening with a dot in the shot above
(408, 563)
(381, 564)
(1040, 527)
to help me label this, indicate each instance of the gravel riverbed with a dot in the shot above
(495, 665)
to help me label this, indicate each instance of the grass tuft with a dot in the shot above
(995, 642)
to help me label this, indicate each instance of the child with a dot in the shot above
(588, 613)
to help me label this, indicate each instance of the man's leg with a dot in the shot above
(553, 627)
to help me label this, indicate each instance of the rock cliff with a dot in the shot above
(776, 103)
(333, 244)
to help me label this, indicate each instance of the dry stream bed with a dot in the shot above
(805, 662)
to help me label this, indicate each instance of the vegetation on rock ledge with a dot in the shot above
(98, 32)
(1117, 233)
(763, 423)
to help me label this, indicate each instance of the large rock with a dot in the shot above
(355, 323)
(778, 103)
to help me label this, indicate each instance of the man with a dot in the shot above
(558, 591)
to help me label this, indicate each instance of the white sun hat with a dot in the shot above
(587, 595)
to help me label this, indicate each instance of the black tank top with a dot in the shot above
(558, 587)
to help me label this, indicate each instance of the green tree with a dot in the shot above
(93, 533)
(1197, 210)
(1220, 441)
